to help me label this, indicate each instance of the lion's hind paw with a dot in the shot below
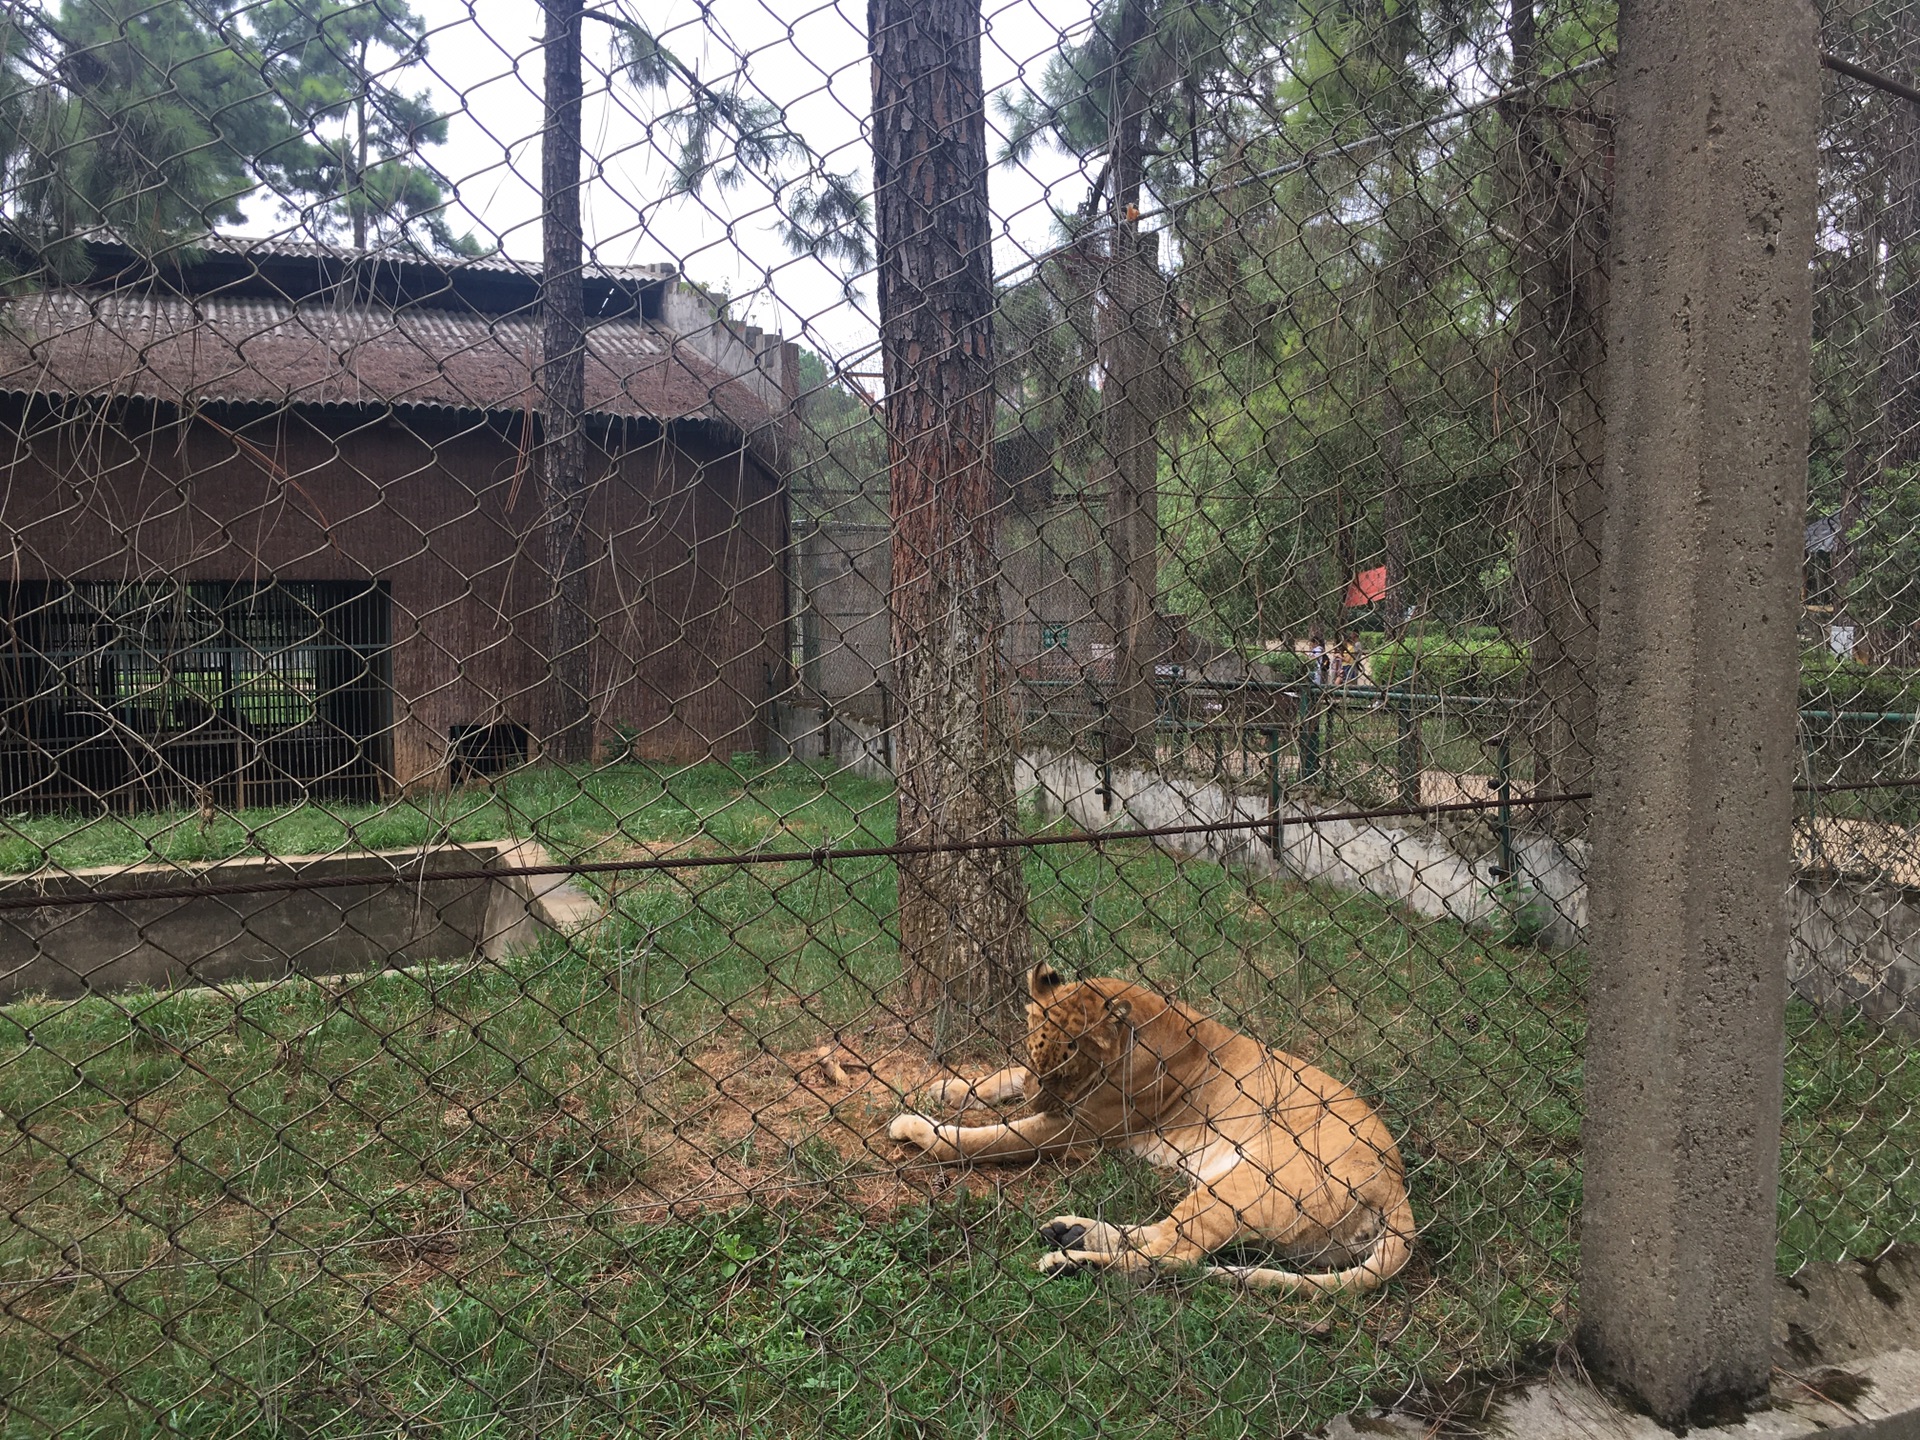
(915, 1130)
(948, 1095)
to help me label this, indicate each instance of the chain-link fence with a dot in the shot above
(1846, 1188)
(595, 616)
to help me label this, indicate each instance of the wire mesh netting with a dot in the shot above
(1847, 1187)
(607, 606)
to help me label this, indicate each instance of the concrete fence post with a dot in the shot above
(1709, 341)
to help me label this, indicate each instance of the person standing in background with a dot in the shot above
(1346, 660)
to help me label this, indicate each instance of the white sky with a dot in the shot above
(807, 56)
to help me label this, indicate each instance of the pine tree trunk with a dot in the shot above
(1130, 364)
(1888, 449)
(357, 182)
(1390, 341)
(568, 721)
(964, 940)
(1395, 506)
(1899, 395)
(1855, 495)
(1555, 397)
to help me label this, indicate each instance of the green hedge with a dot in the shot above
(1830, 684)
(1445, 665)
(1452, 665)
(1440, 664)
(1286, 666)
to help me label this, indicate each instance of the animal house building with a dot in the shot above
(274, 516)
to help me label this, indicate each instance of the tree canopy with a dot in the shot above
(360, 165)
(1330, 187)
(164, 122)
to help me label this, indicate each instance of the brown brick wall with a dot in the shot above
(686, 537)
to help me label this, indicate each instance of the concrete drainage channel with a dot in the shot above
(62, 952)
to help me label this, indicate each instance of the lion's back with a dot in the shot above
(1238, 1089)
(1257, 1089)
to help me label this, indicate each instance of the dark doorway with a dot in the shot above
(153, 694)
(476, 752)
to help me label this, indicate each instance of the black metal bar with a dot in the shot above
(1503, 786)
(1105, 788)
(1310, 735)
(1505, 802)
(819, 856)
(1409, 755)
(1870, 77)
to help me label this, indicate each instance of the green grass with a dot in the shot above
(428, 1202)
(570, 810)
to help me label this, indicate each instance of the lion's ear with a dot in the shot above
(1107, 1041)
(1042, 981)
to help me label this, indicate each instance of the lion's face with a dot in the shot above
(1073, 1034)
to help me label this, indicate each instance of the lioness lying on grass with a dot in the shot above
(1278, 1151)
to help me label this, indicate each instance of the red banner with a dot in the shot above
(1369, 587)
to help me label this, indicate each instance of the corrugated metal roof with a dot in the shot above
(186, 351)
(287, 247)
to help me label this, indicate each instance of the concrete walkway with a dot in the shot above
(1846, 1362)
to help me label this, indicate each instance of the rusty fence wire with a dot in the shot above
(584, 850)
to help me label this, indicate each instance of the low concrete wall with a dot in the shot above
(1429, 870)
(802, 732)
(67, 951)
(1855, 948)
(1442, 871)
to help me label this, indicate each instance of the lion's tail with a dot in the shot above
(1387, 1259)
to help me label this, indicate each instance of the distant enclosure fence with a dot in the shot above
(517, 773)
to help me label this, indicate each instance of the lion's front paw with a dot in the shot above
(914, 1130)
(1060, 1262)
(1074, 1232)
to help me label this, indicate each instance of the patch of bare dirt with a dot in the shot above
(735, 1124)
(416, 1260)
